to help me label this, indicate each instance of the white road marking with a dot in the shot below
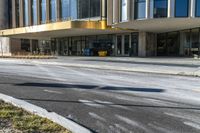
(192, 124)
(50, 91)
(91, 103)
(132, 123)
(93, 115)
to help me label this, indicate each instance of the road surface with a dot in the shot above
(106, 101)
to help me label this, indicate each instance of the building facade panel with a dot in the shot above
(120, 27)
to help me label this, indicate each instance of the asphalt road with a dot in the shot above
(108, 101)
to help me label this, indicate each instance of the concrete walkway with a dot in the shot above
(170, 66)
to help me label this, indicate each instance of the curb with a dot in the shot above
(180, 73)
(66, 123)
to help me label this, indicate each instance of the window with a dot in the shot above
(95, 8)
(197, 8)
(140, 9)
(26, 15)
(160, 8)
(181, 8)
(83, 6)
(53, 10)
(65, 9)
(43, 11)
(123, 12)
(34, 12)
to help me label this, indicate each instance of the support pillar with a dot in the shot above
(116, 11)
(142, 44)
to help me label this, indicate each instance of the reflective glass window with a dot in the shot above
(160, 8)
(181, 8)
(95, 8)
(123, 12)
(53, 10)
(83, 6)
(34, 12)
(26, 17)
(65, 9)
(197, 8)
(43, 11)
(140, 9)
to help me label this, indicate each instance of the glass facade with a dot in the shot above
(53, 10)
(95, 8)
(181, 8)
(34, 12)
(43, 11)
(65, 9)
(160, 8)
(26, 15)
(197, 8)
(140, 9)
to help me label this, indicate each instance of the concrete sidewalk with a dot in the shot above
(170, 66)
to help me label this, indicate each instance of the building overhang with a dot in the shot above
(161, 25)
(61, 29)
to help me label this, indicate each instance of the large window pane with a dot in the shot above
(123, 12)
(95, 8)
(26, 12)
(43, 11)
(160, 8)
(181, 8)
(197, 8)
(65, 9)
(83, 6)
(140, 9)
(53, 10)
(34, 12)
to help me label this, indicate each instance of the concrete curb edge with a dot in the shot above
(66, 123)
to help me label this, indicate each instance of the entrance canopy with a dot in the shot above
(61, 29)
(161, 25)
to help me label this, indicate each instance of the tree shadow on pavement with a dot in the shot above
(90, 87)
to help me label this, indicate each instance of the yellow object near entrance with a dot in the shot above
(102, 53)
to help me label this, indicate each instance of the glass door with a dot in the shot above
(119, 45)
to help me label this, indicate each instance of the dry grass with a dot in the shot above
(26, 122)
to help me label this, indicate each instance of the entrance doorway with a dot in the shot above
(123, 45)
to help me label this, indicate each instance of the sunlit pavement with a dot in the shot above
(107, 101)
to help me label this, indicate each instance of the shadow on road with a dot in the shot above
(58, 85)
(112, 104)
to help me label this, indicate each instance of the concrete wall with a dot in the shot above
(5, 46)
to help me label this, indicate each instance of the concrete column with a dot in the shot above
(128, 10)
(132, 9)
(147, 9)
(116, 11)
(192, 8)
(21, 13)
(31, 46)
(5, 46)
(38, 11)
(123, 45)
(30, 12)
(58, 8)
(142, 44)
(109, 12)
(103, 9)
(171, 5)
(47, 11)
(14, 14)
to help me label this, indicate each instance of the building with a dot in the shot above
(84, 27)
